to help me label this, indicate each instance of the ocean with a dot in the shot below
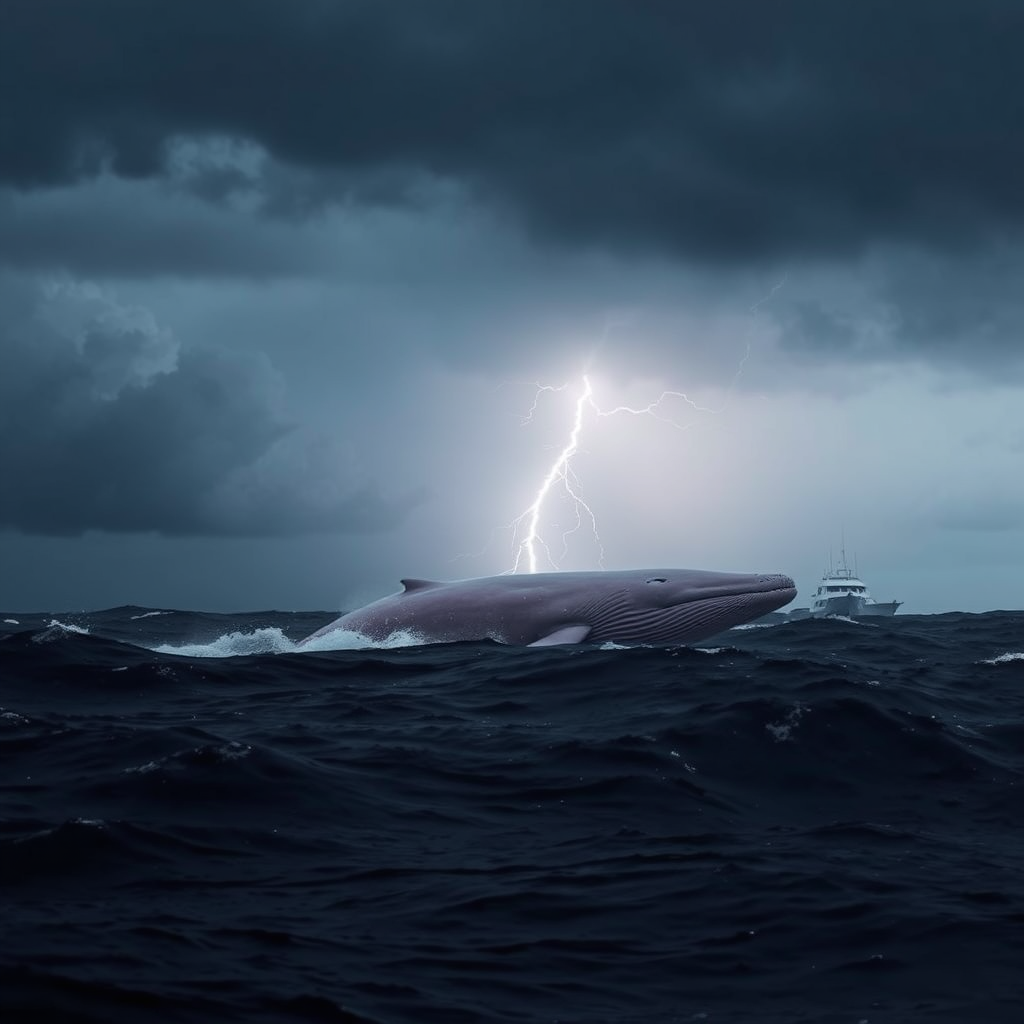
(818, 821)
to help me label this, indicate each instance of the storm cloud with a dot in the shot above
(732, 131)
(107, 423)
(296, 298)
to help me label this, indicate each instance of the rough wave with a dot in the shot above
(804, 823)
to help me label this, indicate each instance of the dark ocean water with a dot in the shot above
(820, 821)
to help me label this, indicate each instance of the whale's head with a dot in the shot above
(678, 606)
(668, 588)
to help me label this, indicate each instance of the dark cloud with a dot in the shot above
(912, 305)
(107, 423)
(732, 130)
(810, 326)
(956, 310)
(135, 230)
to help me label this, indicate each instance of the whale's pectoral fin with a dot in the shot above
(564, 635)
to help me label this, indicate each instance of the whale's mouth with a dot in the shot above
(741, 602)
(775, 587)
(692, 617)
(771, 584)
(778, 586)
(705, 616)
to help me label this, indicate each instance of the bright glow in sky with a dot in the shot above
(275, 349)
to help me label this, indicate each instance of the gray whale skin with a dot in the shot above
(662, 607)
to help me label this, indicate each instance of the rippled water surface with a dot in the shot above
(819, 821)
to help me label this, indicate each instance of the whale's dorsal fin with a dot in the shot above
(415, 584)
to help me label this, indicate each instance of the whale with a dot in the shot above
(656, 607)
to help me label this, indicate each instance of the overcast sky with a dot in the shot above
(297, 298)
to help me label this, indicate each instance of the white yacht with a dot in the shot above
(841, 592)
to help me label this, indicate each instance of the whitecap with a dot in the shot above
(852, 621)
(178, 761)
(1002, 659)
(68, 627)
(783, 731)
(269, 640)
(349, 640)
(55, 629)
(149, 615)
(233, 751)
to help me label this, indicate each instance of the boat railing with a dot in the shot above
(842, 573)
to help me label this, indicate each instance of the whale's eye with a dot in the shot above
(657, 579)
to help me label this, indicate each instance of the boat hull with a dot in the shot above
(855, 607)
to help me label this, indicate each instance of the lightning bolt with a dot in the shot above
(561, 469)
(525, 528)
(754, 310)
